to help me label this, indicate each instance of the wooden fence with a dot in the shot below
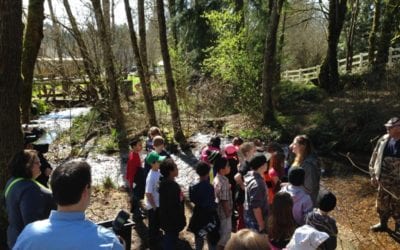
(360, 62)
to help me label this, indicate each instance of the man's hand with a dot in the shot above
(374, 181)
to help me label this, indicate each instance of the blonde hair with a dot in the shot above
(247, 239)
(306, 142)
(245, 148)
(157, 141)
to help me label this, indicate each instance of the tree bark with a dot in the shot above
(88, 63)
(329, 72)
(106, 15)
(11, 28)
(270, 64)
(174, 29)
(111, 78)
(32, 40)
(355, 7)
(176, 122)
(142, 41)
(374, 30)
(148, 99)
(389, 24)
(56, 32)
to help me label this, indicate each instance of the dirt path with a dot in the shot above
(356, 212)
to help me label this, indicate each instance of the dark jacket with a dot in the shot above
(26, 202)
(312, 176)
(172, 213)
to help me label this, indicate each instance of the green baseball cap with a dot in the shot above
(153, 156)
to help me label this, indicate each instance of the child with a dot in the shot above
(158, 147)
(302, 203)
(319, 219)
(223, 198)
(256, 202)
(274, 174)
(152, 195)
(247, 239)
(231, 153)
(135, 177)
(172, 210)
(281, 224)
(247, 151)
(213, 145)
(204, 218)
(153, 132)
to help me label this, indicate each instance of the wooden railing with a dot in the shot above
(360, 62)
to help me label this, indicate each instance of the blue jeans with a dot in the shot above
(199, 243)
(170, 240)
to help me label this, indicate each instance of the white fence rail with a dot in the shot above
(359, 62)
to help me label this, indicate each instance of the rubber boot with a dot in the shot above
(381, 226)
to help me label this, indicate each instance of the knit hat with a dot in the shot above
(296, 176)
(153, 156)
(326, 201)
(212, 156)
(258, 160)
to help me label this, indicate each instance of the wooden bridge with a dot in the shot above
(360, 62)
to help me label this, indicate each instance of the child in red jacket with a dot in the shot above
(135, 177)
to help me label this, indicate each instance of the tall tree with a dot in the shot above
(88, 64)
(56, 33)
(10, 82)
(374, 30)
(111, 79)
(389, 24)
(148, 99)
(176, 121)
(270, 63)
(32, 40)
(329, 72)
(355, 7)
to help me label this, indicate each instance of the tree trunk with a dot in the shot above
(56, 33)
(355, 7)
(270, 64)
(329, 73)
(176, 122)
(280, 48)
(111, 78)
(174, 29)
(389, 24)
(91, 71)
(106, 15)
(142, 41)
(32, 40)
(148, 99)
(11, 28)
(374, 29)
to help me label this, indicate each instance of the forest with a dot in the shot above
(251, 68)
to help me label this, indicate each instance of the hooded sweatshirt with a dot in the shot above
(302, 203)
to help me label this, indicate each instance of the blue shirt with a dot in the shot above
(66, 230)
(392, 148)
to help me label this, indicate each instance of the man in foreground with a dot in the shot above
(67, 227)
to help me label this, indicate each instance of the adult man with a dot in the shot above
(67, 227)
(384, 168)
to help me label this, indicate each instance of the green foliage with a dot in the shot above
(41, 105)
(80, 126)
(108, 183)
(288, 94)
(232, 60)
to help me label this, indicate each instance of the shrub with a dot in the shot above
(287, 94)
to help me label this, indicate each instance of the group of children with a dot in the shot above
(240, 187)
